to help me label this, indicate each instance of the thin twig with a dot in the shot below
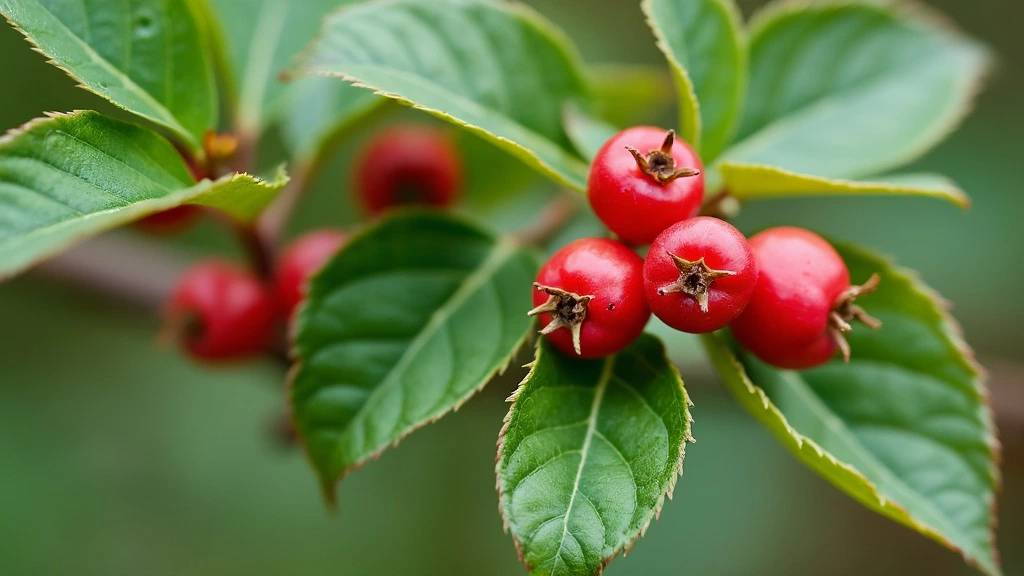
(271, 224)
(552, 219)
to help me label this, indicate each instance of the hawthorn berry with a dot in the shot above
(644, 180)
(219, 311)
(803, 302)
(299, 262)
(408, 165)
(590, 298)
(170, 221)
(699, 274)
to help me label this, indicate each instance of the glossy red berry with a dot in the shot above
(802, 303)
(408, 165)
(299, 262)
(170, 221)
(642, 181)
(699, 275)
(220, 312)
(590, 298)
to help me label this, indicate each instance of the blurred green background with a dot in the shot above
(119, 458)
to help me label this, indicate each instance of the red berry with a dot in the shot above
(642, 181)
(299, 262)
(802, 303)
(408, 165)
(699, 275)
(170, 221)
(220, 312)
(590, 298)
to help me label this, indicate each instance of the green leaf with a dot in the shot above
(629, 95)
(68, 177)
(265, 36)
(497, 69)
(904, 428)
(149, 57)
(587, 132)
(849, 90)
(705, 46)
(756, 182)
(414, 316)
(589, 450)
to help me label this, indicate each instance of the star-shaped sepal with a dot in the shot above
(659, 164)
(695, 278)
(567, 309)
(845, 311)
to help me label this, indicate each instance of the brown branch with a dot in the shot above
(555, 216)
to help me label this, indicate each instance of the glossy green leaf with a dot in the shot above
(705, 45)
(904, 428)
(629, 95)
(265, 36)
(68, 177)
(150, 57)
(589, 450)
(756, 182)
(494, 68)
(850, 90)
(413, 317)
(587, 132)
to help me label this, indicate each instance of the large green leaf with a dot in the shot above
(414, 316)
(904, 427)
(756, 182)
(849, 90)
(588, 453)
(150, 57)
(68, 177)
(497, 69)
(704, 43)
(264, 37)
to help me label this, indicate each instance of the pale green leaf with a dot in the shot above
(265, 36)
(587, 132)
(497, 69)
(414, 316)
(756, 182)
(629, 95)
(589, 450)
(150, 57)
(904, 427)
(65, 178)
(706, 47)
(850, 90)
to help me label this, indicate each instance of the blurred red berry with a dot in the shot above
(300, 261)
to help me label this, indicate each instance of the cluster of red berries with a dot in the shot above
(220, 311)
(785, 293)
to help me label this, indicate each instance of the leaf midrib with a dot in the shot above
(500, 255)
(595, 409)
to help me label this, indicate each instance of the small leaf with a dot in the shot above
(704, 43)
(68, 177)
(589, 450)
(587, 132)
(413, 317)
(849, 90)
(755, 182)
(494, 68)
(265, 36)
(149, 57)
(904, 428)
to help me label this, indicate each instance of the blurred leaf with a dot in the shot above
(631, 95)
(265, 36)
(587, 132)
(65, 178)
(123, 53)
(496, 69)
(756, 182)
(850, 90)
(413, 317)
(704, 42)
(689, 109)
(588, 453)
(904, 428)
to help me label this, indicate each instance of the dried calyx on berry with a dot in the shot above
(659, 164)
(845, 311)
(567, 310)
(695, 277)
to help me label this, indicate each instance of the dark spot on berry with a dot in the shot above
(611, 307)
